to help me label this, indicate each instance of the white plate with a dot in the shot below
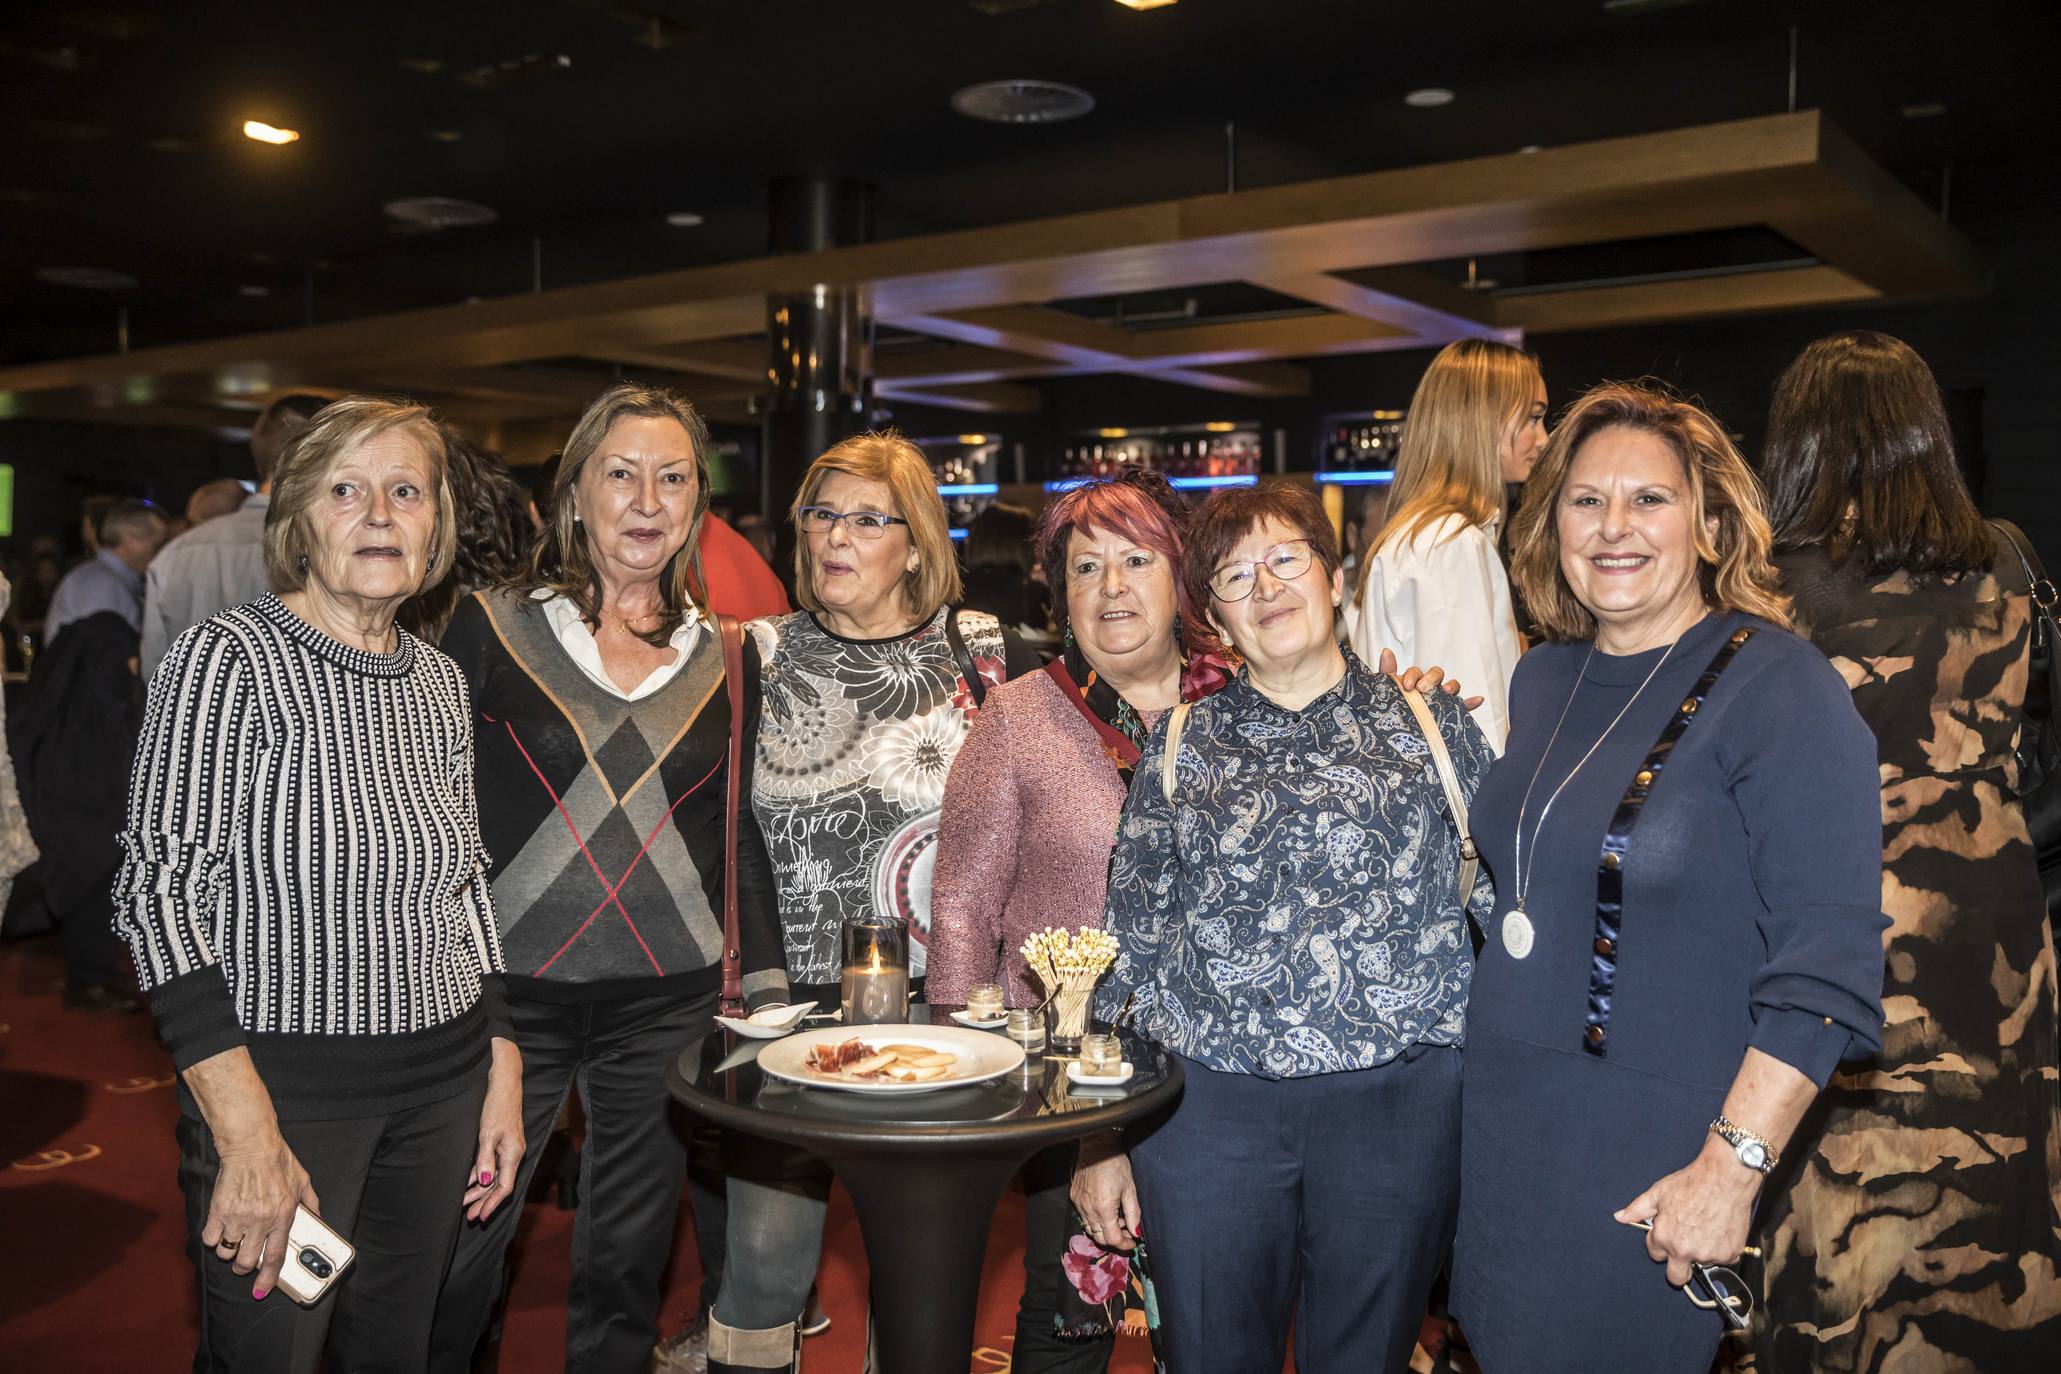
(791, 1016)
(981, 1056)
(967, 1019)
(1076, 1074)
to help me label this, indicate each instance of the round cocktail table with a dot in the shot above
(924, 1171)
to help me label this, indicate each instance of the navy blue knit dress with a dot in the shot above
(1750, 917)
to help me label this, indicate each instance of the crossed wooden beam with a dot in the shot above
(1348, 247)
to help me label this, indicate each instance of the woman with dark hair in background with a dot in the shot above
(494, 536)
(1001, 568)
(1926, 1213)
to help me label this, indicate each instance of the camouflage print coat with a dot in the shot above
(1915, 1224)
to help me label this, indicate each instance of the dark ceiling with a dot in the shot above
(120, 150)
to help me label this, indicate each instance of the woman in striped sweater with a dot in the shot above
(305, 894)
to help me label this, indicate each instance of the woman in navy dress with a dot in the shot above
(1687, 854)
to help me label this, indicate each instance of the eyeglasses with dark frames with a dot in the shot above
(1718, 1288)
(1233, 582)
(865, 524)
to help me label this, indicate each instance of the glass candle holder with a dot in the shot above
(984, 1001)
(1101, 1056)
(874, 989)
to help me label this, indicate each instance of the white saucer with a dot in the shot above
(1075, 1074)
(774, 1026)
(966, 1020)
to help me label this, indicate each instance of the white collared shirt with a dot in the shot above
(1443, 598)
(582, 649)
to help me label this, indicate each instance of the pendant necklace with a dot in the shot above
(1517, 926)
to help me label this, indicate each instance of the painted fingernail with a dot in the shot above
(486, 1176)
(259, 1294)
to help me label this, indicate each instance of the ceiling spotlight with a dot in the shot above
(1022, 102)
(447, 135)
(684, 219)
(1428, 98)
(438, 212)
(1145, 4)
(1531, 148)
(259, 131)
(87, 278)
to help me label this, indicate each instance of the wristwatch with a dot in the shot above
(1755, 1152)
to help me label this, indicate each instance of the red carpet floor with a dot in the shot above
(93, 1275)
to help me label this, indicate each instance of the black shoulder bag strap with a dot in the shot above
(974, 684)
(1617, 842)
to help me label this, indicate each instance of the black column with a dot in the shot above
(821, 341)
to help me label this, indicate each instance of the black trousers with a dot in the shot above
(1048, 1222)
(631, 1169)
(391, 1186)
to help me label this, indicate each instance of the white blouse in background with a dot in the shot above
(1443, 598)
(581, 648)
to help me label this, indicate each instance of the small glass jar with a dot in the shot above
(1027, 1028)
(984, 1002)
(1101, 1056)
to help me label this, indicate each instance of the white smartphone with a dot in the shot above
(316, 1257)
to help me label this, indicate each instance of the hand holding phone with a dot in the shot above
(316, 1257)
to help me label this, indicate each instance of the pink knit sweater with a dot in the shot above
(1029, 819)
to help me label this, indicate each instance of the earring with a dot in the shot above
(302, 563)
(1067, 646)
(576, 517)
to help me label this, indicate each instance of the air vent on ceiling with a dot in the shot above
(438, 212)
(1023, 102)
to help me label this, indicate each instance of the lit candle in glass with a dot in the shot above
(875, 986)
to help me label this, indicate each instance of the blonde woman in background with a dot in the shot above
(1433, 589)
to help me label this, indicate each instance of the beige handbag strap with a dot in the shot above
(1173, 750)
(1470, 856)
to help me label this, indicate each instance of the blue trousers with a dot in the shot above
(1329, 1199)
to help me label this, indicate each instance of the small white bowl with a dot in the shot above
(1075, 1074)
(967, 1019)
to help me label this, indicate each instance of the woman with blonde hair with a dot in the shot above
(1432, 588)
(1688, 861)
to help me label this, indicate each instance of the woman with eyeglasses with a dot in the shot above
(868, 692)
(1289, 918)
(1687, 940)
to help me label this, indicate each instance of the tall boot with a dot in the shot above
(775, 1350)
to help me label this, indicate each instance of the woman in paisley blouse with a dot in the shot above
(868, 692)
(1292, 928)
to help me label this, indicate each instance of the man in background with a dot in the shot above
(213, 500)
(129, 536)
(221, 563)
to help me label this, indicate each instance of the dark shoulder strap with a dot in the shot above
(964, 658)
(2042, 587)
(731, 631)
(1617, 843)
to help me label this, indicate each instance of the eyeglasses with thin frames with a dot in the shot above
(1233, 582)
(865, 524)
(1718, 1288)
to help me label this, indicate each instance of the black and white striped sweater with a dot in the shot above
(304, 870)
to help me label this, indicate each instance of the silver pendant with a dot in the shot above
(1517, 933)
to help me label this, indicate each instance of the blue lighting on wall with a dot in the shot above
(971, 489)
(1069, 483)
(956, 533)
(1206, 483)
(1354, 479)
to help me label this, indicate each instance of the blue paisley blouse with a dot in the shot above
(1297, 910)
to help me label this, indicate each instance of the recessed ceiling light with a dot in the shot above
(976, 440)
(87, 278)
(253, 290)
(684, 219)
(428, 66)
(1428, 98)
(1023, 102)
(1145, 4)
(1931, 109)
(447, 135)
(259, 131)
(1531, 148)
(439, 212)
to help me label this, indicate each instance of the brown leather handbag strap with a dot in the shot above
(731, 630)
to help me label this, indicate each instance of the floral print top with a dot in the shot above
(1297, 910)
(855, 740)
